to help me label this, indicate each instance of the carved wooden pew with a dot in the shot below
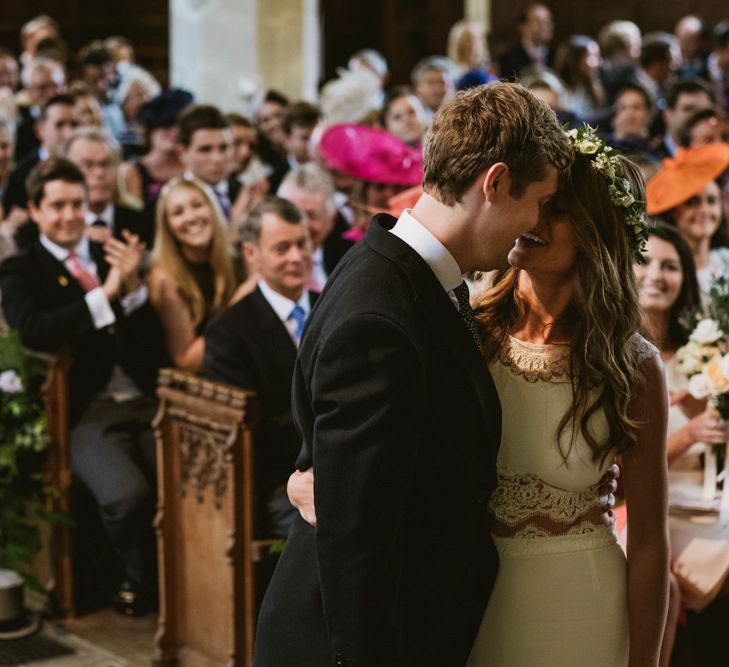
(58, 466)
(207, 550)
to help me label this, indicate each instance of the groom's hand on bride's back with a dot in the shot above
(607, 486)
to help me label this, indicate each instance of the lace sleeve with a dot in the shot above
(642, 348)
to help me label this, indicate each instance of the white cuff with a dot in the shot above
(100, 308)
(134, 300)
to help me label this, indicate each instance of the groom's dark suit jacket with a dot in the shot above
(401, 421)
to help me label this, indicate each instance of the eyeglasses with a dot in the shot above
(88, 165)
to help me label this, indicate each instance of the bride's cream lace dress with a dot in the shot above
(560, 594)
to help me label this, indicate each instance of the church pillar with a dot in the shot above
(223, 50)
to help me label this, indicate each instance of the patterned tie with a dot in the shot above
(82, 276)
(224, 202)
(299, 316)
(464, 307)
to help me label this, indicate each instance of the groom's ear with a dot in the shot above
(497, 181)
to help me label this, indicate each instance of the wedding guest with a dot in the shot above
(620, 44)
(42, 79)
(67, 290)
(253, 345)
(693, 40)
(205, 145)
(403, 115)
(668, 289)
(269, 123)
(86, 107)
(33, 32)
(718, 64)
(53, 127)
(96, 70)
(535, 26)
(380, 164)
(311, 189)
(659, 60)
(433, 83)
(142, 178)
(136, 87)
(577, 63)
(683, 98)
(705, 126)
(246, 166)
(193, 273)
(687, 194)
(549, 88)
(468, 52)
(97, 154)
(299, 122)
(9, 72)
(631, 120)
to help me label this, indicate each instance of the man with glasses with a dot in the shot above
(97, 154)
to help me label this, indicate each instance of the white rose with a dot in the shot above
(698, 386)
(706, 331)
(587, 147)
(10, 383)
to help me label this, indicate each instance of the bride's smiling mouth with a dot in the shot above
(532, 239)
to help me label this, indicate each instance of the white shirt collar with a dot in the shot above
(106, 216)
(61, 254)
(433, 252)
(282, 305)
(221, 188)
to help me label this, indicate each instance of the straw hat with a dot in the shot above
(685, 175)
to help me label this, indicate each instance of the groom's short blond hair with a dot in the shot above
(498, 122)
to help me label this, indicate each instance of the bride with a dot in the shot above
(578, 387)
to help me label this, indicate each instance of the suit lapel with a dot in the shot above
(59, 276)
(440, 311)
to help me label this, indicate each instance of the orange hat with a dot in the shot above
(685, 175)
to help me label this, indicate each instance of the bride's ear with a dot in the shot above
(497, 181)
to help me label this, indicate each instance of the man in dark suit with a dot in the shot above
(312, 190)
(53, 128)
(97, 154)
(536, 28)
(398, 413)
(67, 291)
(253, 345)
(42, 79)
(205, 148)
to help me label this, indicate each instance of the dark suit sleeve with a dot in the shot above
(366, 391)
(39, 328)
(226, 359)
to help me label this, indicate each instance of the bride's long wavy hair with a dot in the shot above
(604, 367)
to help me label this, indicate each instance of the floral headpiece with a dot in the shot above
(604, 160)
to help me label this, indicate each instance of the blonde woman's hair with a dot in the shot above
(459, 42)
(167, 254)
(604, 366)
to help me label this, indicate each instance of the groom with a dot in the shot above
(398, 413)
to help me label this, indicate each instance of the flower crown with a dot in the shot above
(604, 160)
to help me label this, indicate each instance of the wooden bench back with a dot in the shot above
(204, 522)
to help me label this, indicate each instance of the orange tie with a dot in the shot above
(82, 276)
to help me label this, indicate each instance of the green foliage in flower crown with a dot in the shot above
(604, 159)
(24, 492)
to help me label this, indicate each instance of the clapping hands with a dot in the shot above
(124, 258)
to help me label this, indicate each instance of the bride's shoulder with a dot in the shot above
(641, 347)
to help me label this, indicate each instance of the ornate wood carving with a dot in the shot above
(204, 522)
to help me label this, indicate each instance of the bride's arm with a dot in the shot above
(645, 483)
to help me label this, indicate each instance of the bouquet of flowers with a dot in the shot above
(704, 360)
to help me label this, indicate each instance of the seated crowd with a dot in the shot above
(140, 229)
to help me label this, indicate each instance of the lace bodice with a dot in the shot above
(540, 493)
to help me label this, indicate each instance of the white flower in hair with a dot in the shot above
(604, 159)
